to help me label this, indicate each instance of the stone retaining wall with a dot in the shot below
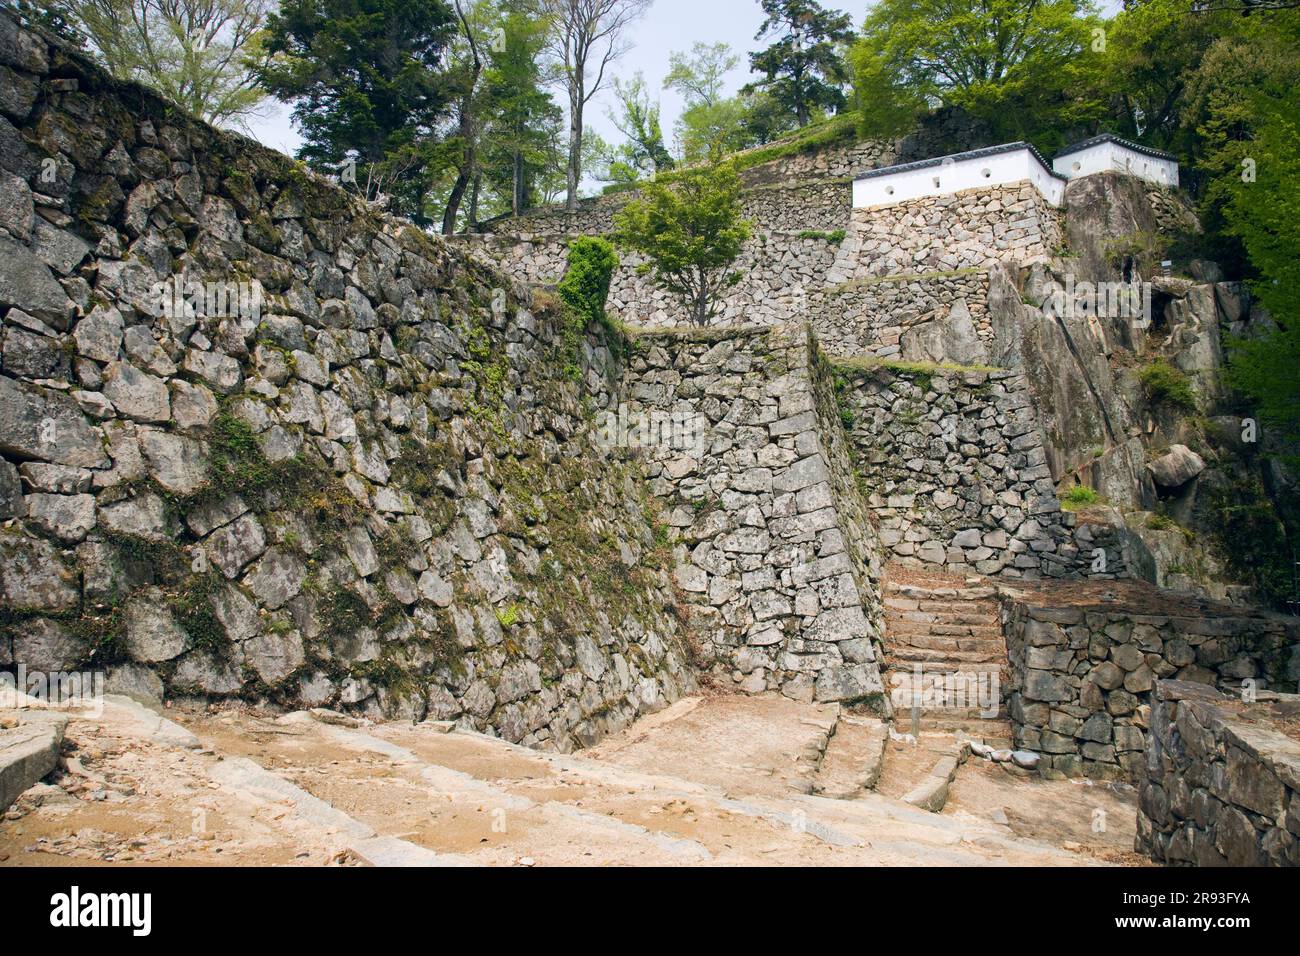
(1082, 676)
(774, 549)
(896, 316)
(958, 478)
(960, 231)
(1222, 782)
(379, 490)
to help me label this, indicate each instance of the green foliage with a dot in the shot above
(522, 121)
(585, 285)
(1026, 67)
(690, 233)
(1252, 139)
(1079, 496)
(834, 238)
(1167, 385)
(196, 53)
(367, 81)
(803, 69)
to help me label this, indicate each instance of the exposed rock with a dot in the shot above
(152, 635)
(1175, 469)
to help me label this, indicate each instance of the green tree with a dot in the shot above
(690, 233)
(522, 118)
(637, 118)
(699, 75)
(711, 125)
(367, 79)
(803, 69)
(586, 37)
(1246, 98)
(196, 53)
(1028, 67)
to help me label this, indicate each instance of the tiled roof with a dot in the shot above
(958, 157)
(1112, 138)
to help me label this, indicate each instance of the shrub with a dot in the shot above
(585, 285)
(1167, 385)
(1080, 496)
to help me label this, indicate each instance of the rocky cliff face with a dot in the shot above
(259, 441)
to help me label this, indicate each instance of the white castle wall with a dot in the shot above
(956, 174)
(1112, 156)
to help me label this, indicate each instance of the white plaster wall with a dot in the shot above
(952, 176)
(1113, 157)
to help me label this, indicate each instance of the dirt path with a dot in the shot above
(711, 781)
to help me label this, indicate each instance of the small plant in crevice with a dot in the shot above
(1080, 496)
(1166, 385)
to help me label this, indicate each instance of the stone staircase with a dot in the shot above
(947, 630)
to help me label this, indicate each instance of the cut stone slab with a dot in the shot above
(47, 426)
(853, 758)
(28, 752)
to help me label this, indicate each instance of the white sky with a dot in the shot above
(671, 25)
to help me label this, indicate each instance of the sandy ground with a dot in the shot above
(711, 781)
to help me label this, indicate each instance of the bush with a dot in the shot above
(1080, 496)
(585, 285)
(1167, 385)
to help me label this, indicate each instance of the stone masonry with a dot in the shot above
(1222, 780)
(774, 548)
(1082, 675)
(376, 487)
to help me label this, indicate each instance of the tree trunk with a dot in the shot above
(575, 139)
(453, 202)
(518, 200)
(473, 201)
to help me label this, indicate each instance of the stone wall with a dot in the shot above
(1222, 780)
(958, 480)
(377, 489)
(781, 273)
(774, 548)
(964, 230)
(1082, 675)
(894, 316)
(790, 205)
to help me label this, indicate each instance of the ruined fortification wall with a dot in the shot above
(379, 490)
(1222, 781)
(774, 548)
(955, 465)
(1082, 676)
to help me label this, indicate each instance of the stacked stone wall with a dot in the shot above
(1082, 676)
(375, 486)
(774, 548)
(1222, 780)
(957, 475)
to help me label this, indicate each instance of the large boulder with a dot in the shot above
(1177, 467)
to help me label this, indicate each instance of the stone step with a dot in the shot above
(851, 764)
(920, 770)
(939, 642)
(30, 744)
(958, 658)
(938, 594)
(936, 617)
(982, 608)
